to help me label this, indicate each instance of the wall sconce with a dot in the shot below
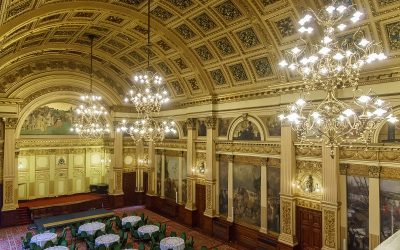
(143, 161)
(201, 168)
(307, 185)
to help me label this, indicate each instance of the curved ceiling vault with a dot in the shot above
(201, 47)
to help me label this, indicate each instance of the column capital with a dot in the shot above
(116, 123)
(191, 123)
(230, 158)
(343, 168)
(374, 171)
(211, 122)
(264, 162)
(10, 123)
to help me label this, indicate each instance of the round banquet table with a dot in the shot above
(41, 239)
(147, 229)
(57, 248)
(174, 243)
(132, 219)
(106, 239)
(92, 227)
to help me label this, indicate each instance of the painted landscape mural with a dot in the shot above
(357, 212)
(171, 176)
(223, 186)
(273, 190)
(50, 119)
(247, 190)
(390, 207)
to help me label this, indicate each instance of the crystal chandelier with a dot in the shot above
(328, 66)
(148, 96)
(90, 119)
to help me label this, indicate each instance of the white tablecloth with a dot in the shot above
(41, 239)
(174, 243)
(92, 227)
(106, 239)
(132, 219)
(57, 248)
(147, 229)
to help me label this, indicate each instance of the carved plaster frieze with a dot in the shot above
(374, 171)
(315, 205)
(211, 122)
(329, 221)
(249, 147)
(191, 123)
(286, 212)
(10, 123)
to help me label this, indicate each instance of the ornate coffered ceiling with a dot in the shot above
(203, 48)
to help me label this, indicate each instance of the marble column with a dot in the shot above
(287, 200)
(162, 195)
(140, 166)
(263, 225)
(210, 172)
(217, 184)
(152, 173)
(10, 174)
(180, 176)
(343, 200)
(191, 164)
(116, 167)
(230, 189)
(374, 206)
(330, 197)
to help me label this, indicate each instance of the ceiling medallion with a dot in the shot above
(330, 65)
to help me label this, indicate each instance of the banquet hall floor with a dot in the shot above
(10, 238)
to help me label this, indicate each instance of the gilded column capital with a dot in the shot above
(374, 171)
(10, 123)
(181, 153)
(264, 162)
(230, 158)
(191, 123)
(211, 122)
(343, 168)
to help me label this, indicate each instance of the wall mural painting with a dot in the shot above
(158, 169)
(246, 191)
(223, 186)
(223, 126)
(171, 176)
(50, 119)
(184, 176)
(201, 128)
(273, 190)
(390, 207)
(274, 126)
(357, 212)
(246, 130)
(389, 133)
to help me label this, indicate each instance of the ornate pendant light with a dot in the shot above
(90, 114)
(330, 65)
(148, 96)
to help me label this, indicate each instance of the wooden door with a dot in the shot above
(200, 205)
(309, 228)
(129, 185)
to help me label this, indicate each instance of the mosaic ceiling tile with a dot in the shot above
(107, 49)
(146, 50)
(224, 45)
(387, 2)
(127, 61)
(126, 38)
(18, 9)
(59, 40)
(393, 32)
(262, 66)
(116, 44)
(268, 2)
(218, 77)
(35, 36)
(204, 53)
(238, 72)
(50, 18)
(286, 27)
(141, 29)
(116, 69)
(99, 29)
(248, 37)
(64, 33)
(84, 14)
(115, 19)
(193, 84)
(83, 42)
(132, 2)
(185, 31)
(181, 63)
(205, 22)
(136, 56)
(163, 45)
(35, 43)
(161, 13)
(164, 67)
(229, 11)
(181, 4)
(177, 88)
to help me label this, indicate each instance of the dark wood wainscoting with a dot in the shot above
(202, 222)
(309, 228)
(131, 197)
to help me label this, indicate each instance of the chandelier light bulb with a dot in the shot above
(330, 9)
(324, 51)
(341, 8)
(296, 50)
(283, 63)
(341, 26)
(327, 40)
(364, 42)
